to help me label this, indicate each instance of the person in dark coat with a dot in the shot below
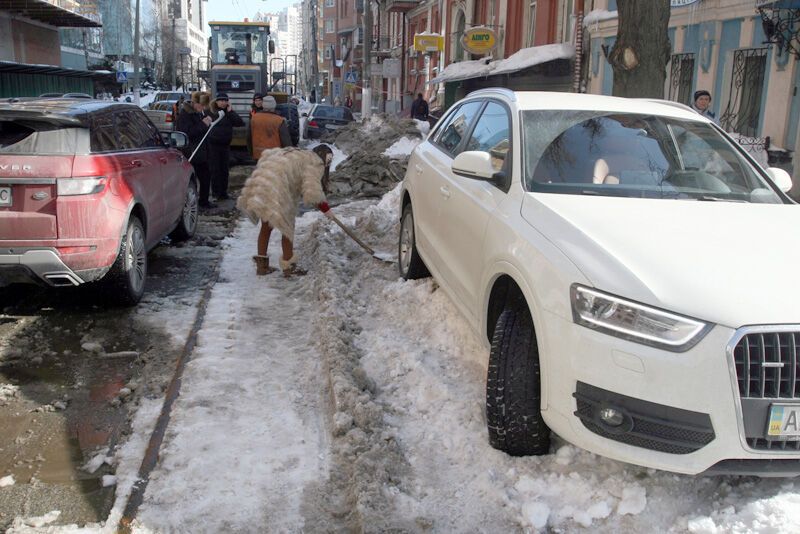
(193, 122)
(419, 108)
(219, 144)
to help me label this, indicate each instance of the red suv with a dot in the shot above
(87, 188)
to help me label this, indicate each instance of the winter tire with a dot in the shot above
(513, 387)
(408, 260)
(187, 224)
(125, 280)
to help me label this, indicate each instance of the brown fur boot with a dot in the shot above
(262, 266)
(290, 268)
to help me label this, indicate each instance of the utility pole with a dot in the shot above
(174, 53)
(366, 92)
(136, 55)
(314, 52)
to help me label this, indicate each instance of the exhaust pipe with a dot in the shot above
(62, 279)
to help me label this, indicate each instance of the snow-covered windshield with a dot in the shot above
(631, 155)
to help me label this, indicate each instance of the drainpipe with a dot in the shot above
(403, 64)
(576, 80)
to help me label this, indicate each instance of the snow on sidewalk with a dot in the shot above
(247, 431)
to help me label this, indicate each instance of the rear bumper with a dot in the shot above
(43, 265)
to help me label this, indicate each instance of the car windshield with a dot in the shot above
(631, 155)
(333, 112)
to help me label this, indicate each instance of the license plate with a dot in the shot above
(784, 421)
(5, 196)
(333, 126)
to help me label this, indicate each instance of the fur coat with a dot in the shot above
(281, 178)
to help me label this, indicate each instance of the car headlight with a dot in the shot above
(81, 186)
(635, 322)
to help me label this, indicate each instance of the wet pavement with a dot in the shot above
(72, 371)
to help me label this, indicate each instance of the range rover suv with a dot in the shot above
(631, 270)
(87, 188)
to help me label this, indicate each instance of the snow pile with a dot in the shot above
(402, 148)
(8, 391)
(599, 15)
(6, 481)
(369, 171)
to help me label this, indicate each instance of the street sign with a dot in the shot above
(122, 77)
(337, 88)
(479, 40)
(350, 77)
(185, 51)
(428, 43)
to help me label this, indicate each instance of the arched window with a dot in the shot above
(458, 33)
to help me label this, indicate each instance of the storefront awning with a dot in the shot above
(48, 12)
(523, 59)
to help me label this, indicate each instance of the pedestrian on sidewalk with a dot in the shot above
(419, 108)
(702, 105)
(272, 193)
(194, 123)
(219, 144)
(267, 128)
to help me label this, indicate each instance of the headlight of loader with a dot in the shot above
(635, 322)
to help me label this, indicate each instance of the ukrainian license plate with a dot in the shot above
(5, 196)
(784, 421)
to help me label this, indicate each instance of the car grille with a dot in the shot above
(767, 369)
(766, 365)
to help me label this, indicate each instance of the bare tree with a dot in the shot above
(641, 53)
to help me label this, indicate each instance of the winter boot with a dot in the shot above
(290, 268)
(262, 266)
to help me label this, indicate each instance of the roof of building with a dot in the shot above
(48, 13)
(12, 66)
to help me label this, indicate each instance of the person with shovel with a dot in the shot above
(194, 124)
(271, 195)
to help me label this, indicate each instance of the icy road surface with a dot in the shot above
(348, 400)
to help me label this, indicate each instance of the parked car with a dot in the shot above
(66, 95)
(162, 115)
(323, 119)
(168, 95)
(87, 188)
(631, 270)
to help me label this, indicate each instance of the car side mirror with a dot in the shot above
(178, 139)
(780, 178)
(474, 164)
(304, 115)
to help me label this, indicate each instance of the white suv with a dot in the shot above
(632, 270)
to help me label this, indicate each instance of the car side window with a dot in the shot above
(131, 136)
(492, 134)
(103, 137)
(152, 136)
(456, 129)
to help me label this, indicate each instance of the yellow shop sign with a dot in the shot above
(479, 40)
(428, 43)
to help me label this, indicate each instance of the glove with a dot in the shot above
(323, 207)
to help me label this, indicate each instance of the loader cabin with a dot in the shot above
(239, 58)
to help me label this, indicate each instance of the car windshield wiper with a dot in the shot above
(709, 198)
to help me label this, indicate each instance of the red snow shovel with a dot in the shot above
(378, 256)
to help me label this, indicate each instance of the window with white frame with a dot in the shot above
(330, 3)
(329, 26)
(531, 23)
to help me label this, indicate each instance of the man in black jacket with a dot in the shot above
(419, 108)
(219, 144)
(194, 124)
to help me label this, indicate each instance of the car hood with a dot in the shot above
(729, 263)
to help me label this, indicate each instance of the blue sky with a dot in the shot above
(239, 9)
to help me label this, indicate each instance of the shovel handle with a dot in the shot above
(349, 232)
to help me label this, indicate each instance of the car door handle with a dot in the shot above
(163, 159)
(136, 163)
(418, 169)
(445, 192)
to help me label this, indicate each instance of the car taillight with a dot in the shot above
(313, 124)
(169, 117)
(76, 250)
(80, 186)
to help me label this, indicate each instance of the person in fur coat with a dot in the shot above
(282, 177)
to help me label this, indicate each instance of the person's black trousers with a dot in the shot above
(204, 178)
(218, 161)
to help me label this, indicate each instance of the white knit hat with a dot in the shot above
(269, 103)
